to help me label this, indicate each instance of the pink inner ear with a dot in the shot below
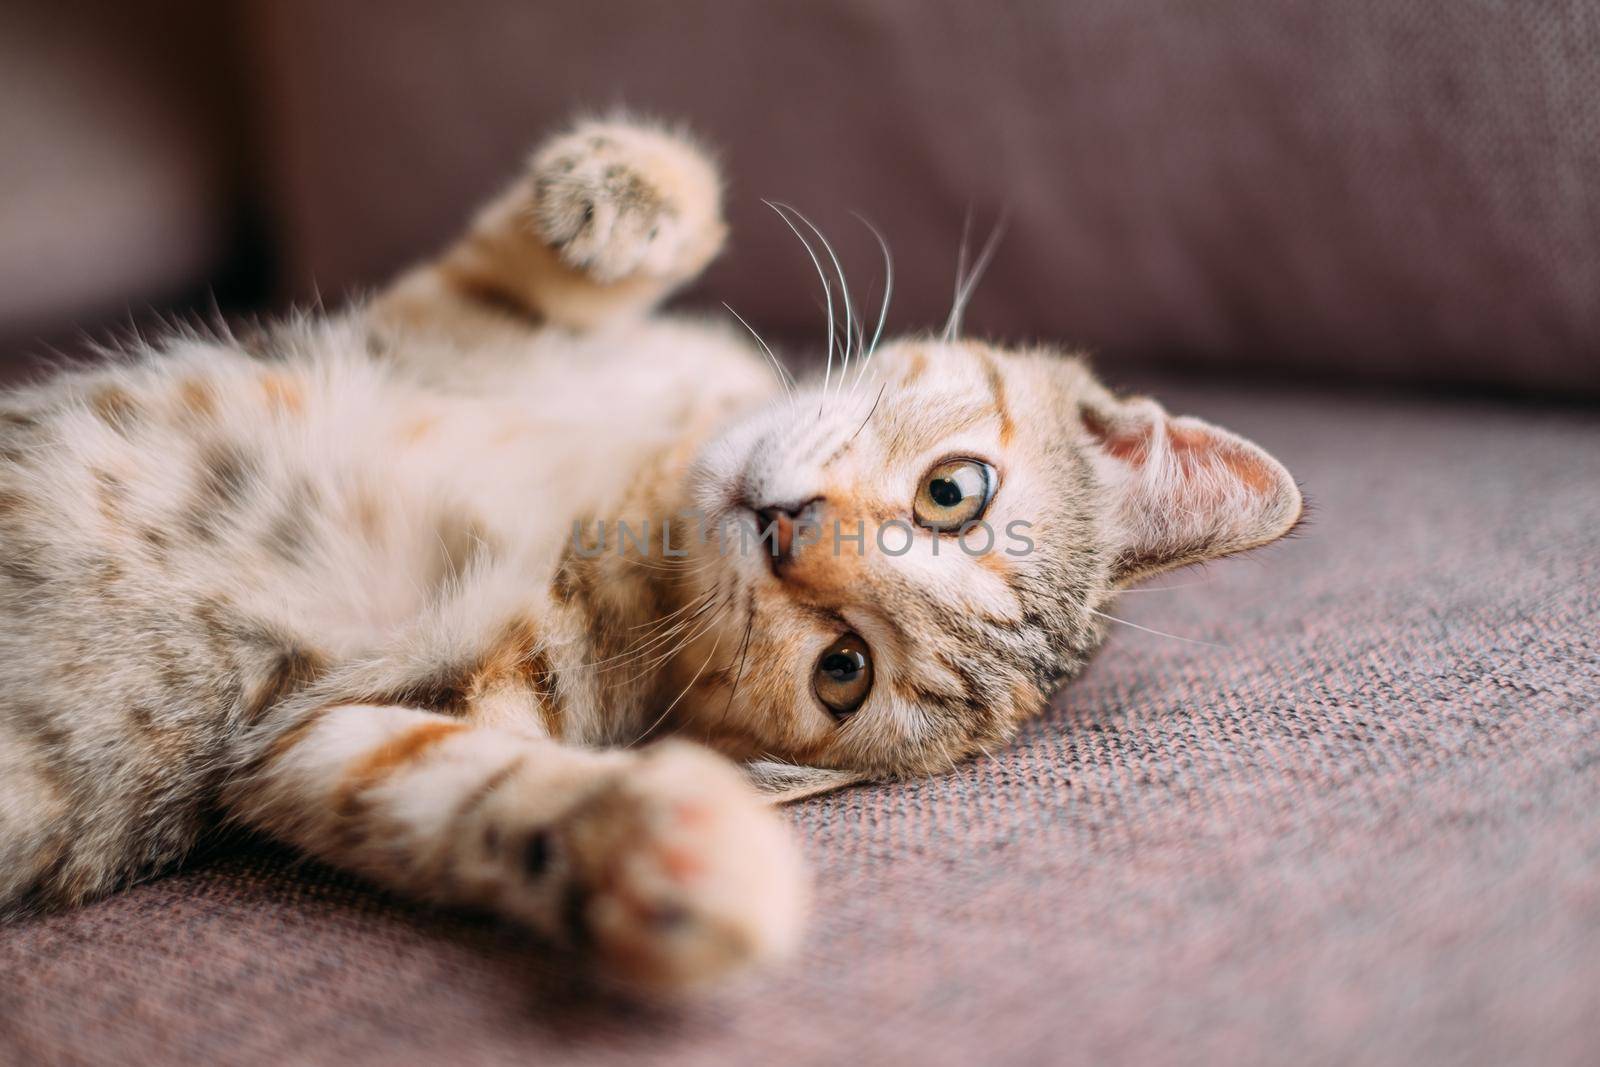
(1192, 445)
(1129, 442)
(1189, 491)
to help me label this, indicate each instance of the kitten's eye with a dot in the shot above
(843, 676)
(954, 493)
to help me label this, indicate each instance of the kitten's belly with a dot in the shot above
(340, 496)
(515, 446)
(560, 427)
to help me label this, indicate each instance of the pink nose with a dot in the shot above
(777, 530)
(777, 524)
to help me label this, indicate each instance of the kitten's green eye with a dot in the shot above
(843, 677)
(953, 493)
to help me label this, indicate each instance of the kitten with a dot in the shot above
(415, 588)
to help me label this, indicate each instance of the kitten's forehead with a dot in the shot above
(1031, 392)
(933, 366)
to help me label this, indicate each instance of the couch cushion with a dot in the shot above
(114, 189)
(1398, 189)
(1346, 814)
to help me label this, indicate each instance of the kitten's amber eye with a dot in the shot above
(954, 493)
(844, 675)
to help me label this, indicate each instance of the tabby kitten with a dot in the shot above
(416, 587)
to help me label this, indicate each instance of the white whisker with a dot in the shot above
(637, 652)
(888, 291)
(675, 638)
(844, 289)
(655, 623)
(716, 618)
(785, 379)
(961, 273)
(965, 286)
(827, 291)
(1158, 633)
(663, 716)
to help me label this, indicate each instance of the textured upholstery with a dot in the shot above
(1396, 189)
(1356, 825)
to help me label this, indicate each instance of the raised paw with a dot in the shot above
(670, 870)
(617, 200)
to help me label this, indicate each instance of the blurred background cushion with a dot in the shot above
(118, 159)
(1373, 189)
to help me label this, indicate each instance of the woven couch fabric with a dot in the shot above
(1378, 188)
(1359, 824)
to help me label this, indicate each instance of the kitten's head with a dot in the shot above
(867, 632)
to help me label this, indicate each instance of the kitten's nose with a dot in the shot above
(776, 527)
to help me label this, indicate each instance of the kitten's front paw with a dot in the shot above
(683, 874)
(615, 200)
(671, 873)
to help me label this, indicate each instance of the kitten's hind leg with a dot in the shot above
(662, 863)
(608, 218)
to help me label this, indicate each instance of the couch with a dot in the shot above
(1337, 802)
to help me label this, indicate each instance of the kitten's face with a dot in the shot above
(868, 632)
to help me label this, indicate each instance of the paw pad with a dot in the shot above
(635, 201)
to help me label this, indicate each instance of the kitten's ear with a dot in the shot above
(1185, 491)
(781, 783)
